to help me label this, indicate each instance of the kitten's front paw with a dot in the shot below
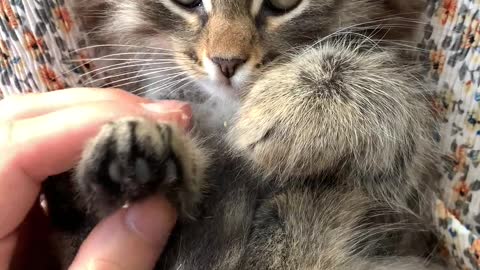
(133, 158)
(329, 107)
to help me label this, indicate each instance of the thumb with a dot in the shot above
(131, 238)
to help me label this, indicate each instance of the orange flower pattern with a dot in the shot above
(50, 59)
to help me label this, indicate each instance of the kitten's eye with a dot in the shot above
(281, 6)
(189, 3)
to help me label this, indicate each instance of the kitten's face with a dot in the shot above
(225, 44)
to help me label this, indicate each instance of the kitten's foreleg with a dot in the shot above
(339, 109)
(135, 157)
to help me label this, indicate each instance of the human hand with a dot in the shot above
(43, 135)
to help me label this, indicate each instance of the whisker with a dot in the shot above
(134, 65)
(128, 64)
(154, 77)
(152, 71)
(169, 85)
(108, 56)
(354, 26)
(123, 46)
(133, 82)
(137, 72)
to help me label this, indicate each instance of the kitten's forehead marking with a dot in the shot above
(189, 17)
(277, 21)
(231, 7)
(208, 5)
(255, 7)
(130, 16)
(252, 8)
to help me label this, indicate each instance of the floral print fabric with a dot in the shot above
(39, 52)
(451, 45)
(38, 47)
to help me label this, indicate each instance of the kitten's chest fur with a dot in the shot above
(218, 238)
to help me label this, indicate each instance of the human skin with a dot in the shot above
(43, 135)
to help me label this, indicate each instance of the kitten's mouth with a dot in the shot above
(223, 81)
(227, 86)
(219, 88)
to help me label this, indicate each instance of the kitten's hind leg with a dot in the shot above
(331, 228)
(133, 158)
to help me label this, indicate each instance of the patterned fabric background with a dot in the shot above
(38, 47)
(452, 48)
(39, 52)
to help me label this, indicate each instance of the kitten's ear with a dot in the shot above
(90, 13)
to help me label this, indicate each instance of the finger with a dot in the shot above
(19, 107)
(34, 248)
(50, 144)
(35, 138)
(129, 239)
(7, 248)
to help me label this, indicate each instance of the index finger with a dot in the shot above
(50, 144)
(20, 107)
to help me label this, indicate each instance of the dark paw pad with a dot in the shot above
(129, 160)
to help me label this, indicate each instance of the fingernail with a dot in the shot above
(100, 264)
(152, 220)
(166, 106)
(182, 111)
(186, 117)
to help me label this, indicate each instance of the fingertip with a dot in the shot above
(152, 220)
(131, 238)
(180, 111)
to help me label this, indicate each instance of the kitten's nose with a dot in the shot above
(228, 66)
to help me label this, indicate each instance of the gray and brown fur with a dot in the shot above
(326, 162)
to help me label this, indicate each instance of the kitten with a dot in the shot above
(313, 140)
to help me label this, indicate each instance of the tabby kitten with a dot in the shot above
(312, 145)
